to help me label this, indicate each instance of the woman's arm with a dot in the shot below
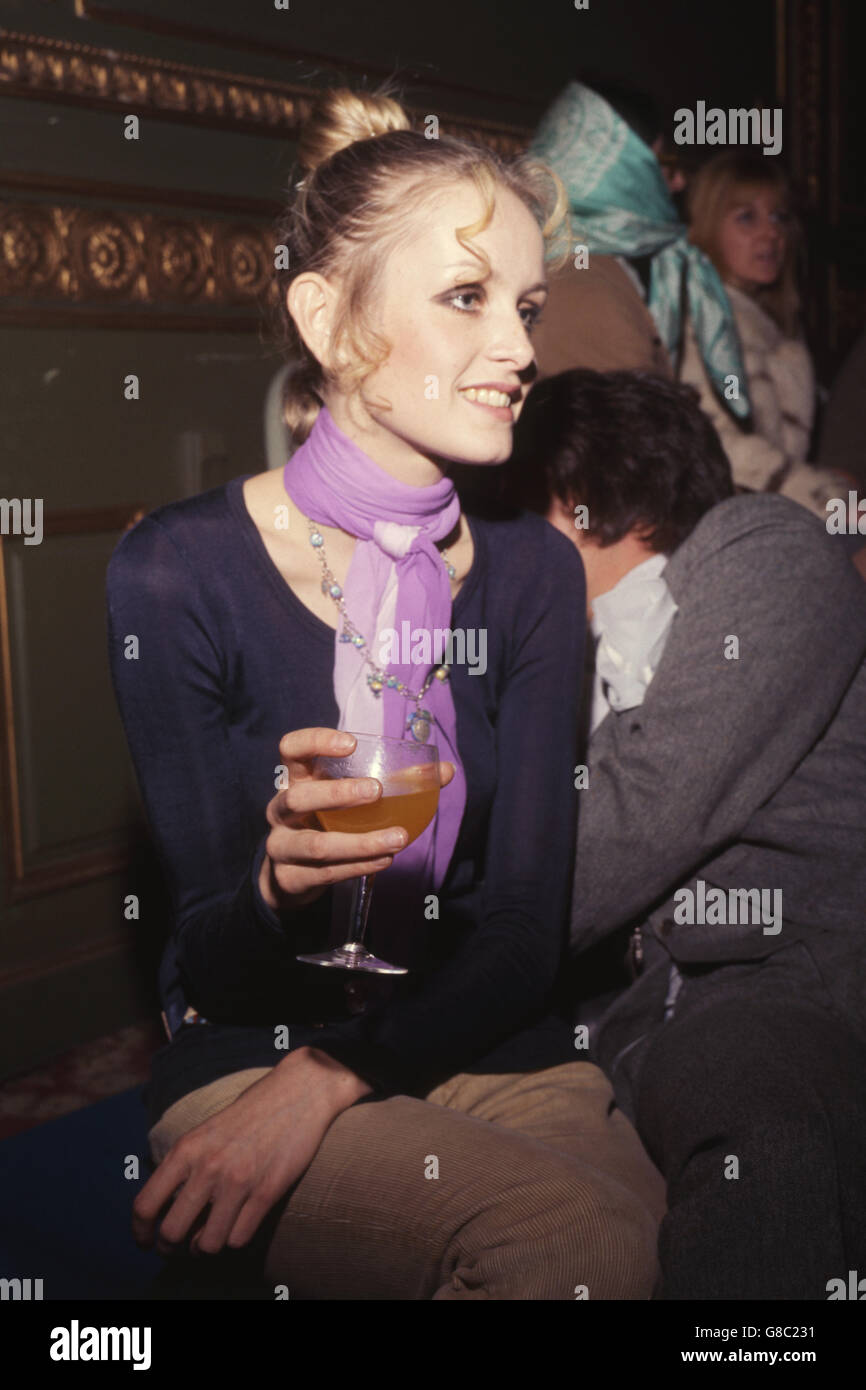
(501, 977)
(167, 666)
(245, 1158)
(235, 943)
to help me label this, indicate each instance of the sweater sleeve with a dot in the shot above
(501, 978)
(168, 676)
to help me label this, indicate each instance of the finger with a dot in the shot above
(156, 1194)
(251, 1216)
(302, 745)
(318, 793)
(221, 1220)
(310, 847)
(297, 879)
(447, 772)
(188, 1205)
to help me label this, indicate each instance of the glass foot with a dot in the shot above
(354, 956)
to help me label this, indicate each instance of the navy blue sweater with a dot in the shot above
(227, 661)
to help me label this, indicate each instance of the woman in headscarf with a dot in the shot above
(621, 211)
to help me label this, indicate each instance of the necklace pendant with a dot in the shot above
(418, 725)
(375, 683)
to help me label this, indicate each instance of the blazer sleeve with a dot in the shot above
(677, 779)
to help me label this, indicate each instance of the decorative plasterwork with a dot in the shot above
(58, 70)
(60, 253)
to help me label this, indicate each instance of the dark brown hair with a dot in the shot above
(634, 448)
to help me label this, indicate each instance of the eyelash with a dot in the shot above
(461, 291)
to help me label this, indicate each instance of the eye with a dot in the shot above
(531, 313)
(745, 215)
(464, 292)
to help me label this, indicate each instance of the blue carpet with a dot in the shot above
(65, 1205)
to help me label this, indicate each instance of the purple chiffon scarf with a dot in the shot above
(396, 577)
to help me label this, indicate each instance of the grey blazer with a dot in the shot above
(746, 772)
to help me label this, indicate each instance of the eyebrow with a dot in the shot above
(494, 275)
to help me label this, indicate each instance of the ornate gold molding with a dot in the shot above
(58, 70)
(65, 255)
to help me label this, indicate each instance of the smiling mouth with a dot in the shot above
(484, 395)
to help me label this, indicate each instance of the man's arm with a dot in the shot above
(676, 780)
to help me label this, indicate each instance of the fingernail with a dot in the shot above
(395, 839)
(368, 788)
(344, 741)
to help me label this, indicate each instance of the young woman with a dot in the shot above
(491, 1162)
(740, 215)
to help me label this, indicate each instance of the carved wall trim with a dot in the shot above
(44, 69)
(66, 256)
(28, 879)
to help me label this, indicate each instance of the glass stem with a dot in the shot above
(361, 908)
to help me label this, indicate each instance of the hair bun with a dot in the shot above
(339, 117)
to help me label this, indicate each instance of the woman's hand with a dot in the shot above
(302, 859)
(245, 1158)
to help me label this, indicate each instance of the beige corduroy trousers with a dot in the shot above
(528, 1185)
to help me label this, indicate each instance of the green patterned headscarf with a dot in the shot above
(620, 206)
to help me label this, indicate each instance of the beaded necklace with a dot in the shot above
(420, 720)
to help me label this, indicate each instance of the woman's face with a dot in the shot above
(753, 238)
(454, 338)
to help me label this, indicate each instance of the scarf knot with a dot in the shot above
(393, 538)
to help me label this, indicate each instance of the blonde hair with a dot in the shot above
(721, 184)
(366, 174)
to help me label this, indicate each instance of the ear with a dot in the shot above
(312, 302)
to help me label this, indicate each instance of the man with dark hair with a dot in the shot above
(717, 930)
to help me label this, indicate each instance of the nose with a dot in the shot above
(509, 340)
(771, 231)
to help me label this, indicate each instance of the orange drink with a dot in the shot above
(409, 798)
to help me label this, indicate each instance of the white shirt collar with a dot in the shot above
(631, 621)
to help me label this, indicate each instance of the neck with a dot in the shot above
(389, 451)
(748, 287)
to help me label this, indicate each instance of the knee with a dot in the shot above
(588, 1237)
